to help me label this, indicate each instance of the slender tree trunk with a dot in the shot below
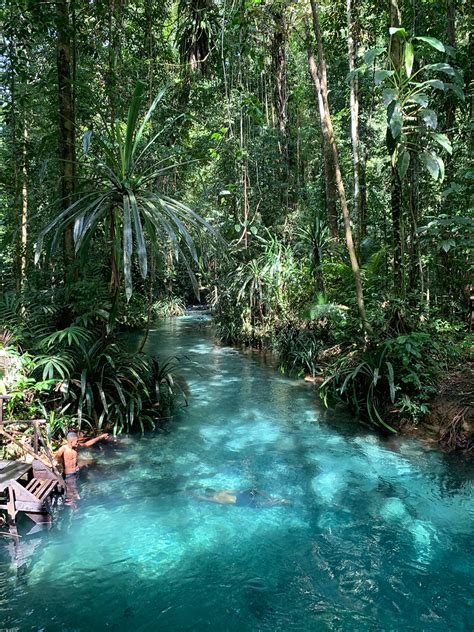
(340, 185)
(450, 105)
(279, 72)
(396, 185)
(15, 164)
(24, 205)
(328, 163)
(67, 128)
(354, 105)
(150, 49)
(413, 244)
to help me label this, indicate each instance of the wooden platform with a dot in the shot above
(21, 491)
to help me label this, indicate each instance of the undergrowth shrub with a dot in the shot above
(391, 380)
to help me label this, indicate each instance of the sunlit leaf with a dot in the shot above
(397, 30)
(409, 58)
(431, 164)
(429, 118)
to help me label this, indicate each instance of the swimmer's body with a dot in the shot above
(245, 498)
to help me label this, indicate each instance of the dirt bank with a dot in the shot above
(450, 422)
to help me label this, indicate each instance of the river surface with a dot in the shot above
(378, 535)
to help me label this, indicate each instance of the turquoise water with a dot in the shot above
(378, 536)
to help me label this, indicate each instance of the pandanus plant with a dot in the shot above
(123, 199)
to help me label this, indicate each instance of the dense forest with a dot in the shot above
(300, 167)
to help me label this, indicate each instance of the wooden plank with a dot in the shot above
(34, 486)
(26, 505)
(48, 488)
(13, 471)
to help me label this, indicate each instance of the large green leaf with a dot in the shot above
(420, 98)
(443, 140)
(431, 164)
(396, 121)
(381, 75)
(429, 118)
(403, 162)
(441, 67)
(431, 41)
(389, 95)
(371, 54)
(127, 247)
(456, 89)
(409, 58)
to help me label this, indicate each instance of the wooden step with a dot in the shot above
(41, 489)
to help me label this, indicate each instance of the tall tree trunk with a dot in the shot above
(67, 126)
(450, 105)
(340, 185)
(328, 162)
(396, 185)
(354, 105)
(150, 49)
(279, 72)
(24, 205)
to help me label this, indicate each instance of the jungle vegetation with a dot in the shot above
(301, 166)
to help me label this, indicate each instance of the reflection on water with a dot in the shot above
(375, 539)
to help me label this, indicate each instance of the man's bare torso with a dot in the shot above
(69, 456)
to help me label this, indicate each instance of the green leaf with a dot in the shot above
(237, 228)
(403, 162)
(431, 41)
(140, 237)
(431, 164)
(458, 91)
(389, 95)
(397, 30)
(371, 55)
(132, 122)
(127, 247)
(409, 58)
(429, 118)
(420, 98)
(440, 162)
(443, 140)
(391, 380)
(396, 121)
(441, 67)
(434, 83)
(147, 117)
(86, 141)
(381, 75)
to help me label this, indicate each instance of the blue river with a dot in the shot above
(378, 535)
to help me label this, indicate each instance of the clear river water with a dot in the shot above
(378, 535)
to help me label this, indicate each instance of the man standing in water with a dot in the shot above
(67, 455)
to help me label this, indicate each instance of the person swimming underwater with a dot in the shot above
(245, 498)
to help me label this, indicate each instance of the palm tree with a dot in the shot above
(122, 198)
